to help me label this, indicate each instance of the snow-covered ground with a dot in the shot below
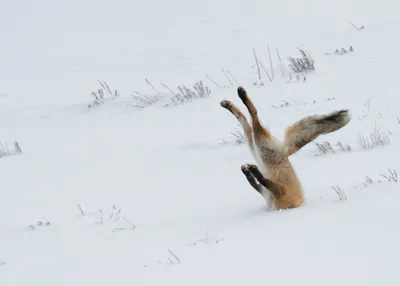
(155, 196)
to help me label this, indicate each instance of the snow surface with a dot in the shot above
(196, 219)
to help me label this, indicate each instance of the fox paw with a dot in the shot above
(252, 168)
(246, 169)
(242, 93)
(225, 104)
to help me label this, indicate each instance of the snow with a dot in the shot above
(187, 215)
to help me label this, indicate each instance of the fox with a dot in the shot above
(273, 175)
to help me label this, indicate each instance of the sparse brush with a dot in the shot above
(340, 193)
(367, 109)
(101, 217)
(172, 259)
(206, 240)
(344, 147)
(186, 94)
(358, 29)
(142, 101)
(6, 151)
(177, 259)
(81, 210)
(368, 181)
(238, 133)
(213, 81)
(17, 148)
(341, 51)
(183, 95)
(303, 64)
(392, 177)
(152, 86)
(100, 95)
(283, 104)
(40, 223)
(374, 139)
(239, 137)
(114, 216)
(325, 147)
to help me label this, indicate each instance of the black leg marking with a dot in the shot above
(251, 179)
(242, 94)
(275, 188)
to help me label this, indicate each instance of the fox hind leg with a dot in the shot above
(263, 139)
(259, 130)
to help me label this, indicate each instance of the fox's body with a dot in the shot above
(283, 174)
(275, 178)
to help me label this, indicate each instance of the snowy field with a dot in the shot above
(138, 190)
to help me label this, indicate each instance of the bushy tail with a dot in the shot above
(307, 129)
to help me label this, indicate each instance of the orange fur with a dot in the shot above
(276, 179)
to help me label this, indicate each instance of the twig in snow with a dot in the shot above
(168, 88)
(40, 223)
(375, 138)
(357, 28)
(258, 67)
(101, 217)
(206, 240)
(213, 81)
(280, 63)
(81, 210)
(392, 176)
(175, 256)
(265, 70)
(227, 77)
(152, 86)
(341, 194)
(233, 77)
(270, 62)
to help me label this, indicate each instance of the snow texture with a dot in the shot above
(150, 192)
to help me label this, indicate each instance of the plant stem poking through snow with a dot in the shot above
(239, 137)
(303, 64)
(206, 240)
(177, 259)
(5, 151)
(375, 138)
(340, 193)
(81, 210)
(99, 96)
(358, 29)
(101, 217)
(213, 81)
(114, 216)
(326, 147)
(40, 223)
(123, 228)
(392, 176)
(183, 95)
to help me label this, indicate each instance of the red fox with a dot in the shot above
(276, 180)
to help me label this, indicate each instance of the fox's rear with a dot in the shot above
(276, 178)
